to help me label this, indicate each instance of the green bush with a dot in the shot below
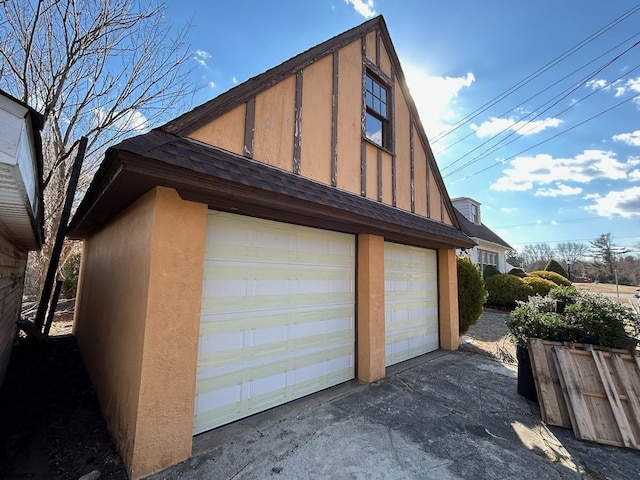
(553, 276)
(540, 286)
(601, 320)
(566, 294)
(587, 318)
(70, 271)
(537, 318)
(554, 266)
(505, 290)
(490, 271)
(518, 272)
(471, 293)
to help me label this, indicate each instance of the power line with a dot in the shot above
(574, 240)
(540, 92)
(556, 100)
(547, 140)
(534, 75)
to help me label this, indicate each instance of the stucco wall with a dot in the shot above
(137, 322)
(12, 264)
(448, 300)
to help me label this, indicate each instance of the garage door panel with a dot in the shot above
(411, 302)
(277, 319)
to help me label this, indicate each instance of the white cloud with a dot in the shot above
(634, 175)
(131, 120)
(363, 7)
(543, 169)
(560, 190)
(212, 85)
(494, 125)
(596, 83)
(234, 80)
(201, 57)
(632, 138)
(508, 210)
(434, 96)
(625, 203)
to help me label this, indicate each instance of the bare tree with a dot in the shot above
(572, 252)
(102, 69)
(536, 256)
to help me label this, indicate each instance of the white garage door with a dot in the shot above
(411, 302)
(277, 318)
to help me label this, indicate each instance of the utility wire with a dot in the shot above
(534, 75)
(443, 169)
(548, 139)
(500, 144)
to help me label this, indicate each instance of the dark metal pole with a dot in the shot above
(62, 231)
(52, 307)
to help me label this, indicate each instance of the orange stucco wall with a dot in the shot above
(371, 322)
(226, 131)
(315, 161)
(448, 301)
(137, 323)
(349, 116)
(273, 129)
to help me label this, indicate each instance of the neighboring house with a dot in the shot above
(228, 255)
(21, 210)
(490, 248)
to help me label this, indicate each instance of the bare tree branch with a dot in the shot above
(105, 70)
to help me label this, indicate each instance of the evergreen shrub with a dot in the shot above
(505, 290)
(471, 293)
(554, 266)
(540, 286)
(490, 271)
(553, 276)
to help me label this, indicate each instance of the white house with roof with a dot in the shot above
(490, 248)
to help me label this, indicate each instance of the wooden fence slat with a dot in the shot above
(580, 418)
(553, 408)
(632, 389)
(614, 400)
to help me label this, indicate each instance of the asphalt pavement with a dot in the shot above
(441, 416)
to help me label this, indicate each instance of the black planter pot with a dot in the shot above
(526, 383)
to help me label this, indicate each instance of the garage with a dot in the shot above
(277, 318)
(411, 302)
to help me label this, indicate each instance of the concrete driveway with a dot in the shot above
(442, 416)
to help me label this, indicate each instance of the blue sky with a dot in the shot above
(546, 161)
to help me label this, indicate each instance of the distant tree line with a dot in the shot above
(600, 260)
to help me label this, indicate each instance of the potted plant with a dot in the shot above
(587, 318)
(536, 318)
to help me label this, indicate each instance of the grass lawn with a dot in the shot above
(605, 288)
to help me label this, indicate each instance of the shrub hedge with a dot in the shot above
(471, 293)
(518, 272)
(553, 266)
(540, 286)
(490, 271)
(553, 276)
(505, 290)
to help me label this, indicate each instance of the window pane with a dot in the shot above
(369, 84)
(383, 95)
(383, 110)
(369, 100)
(376, 104)
(374, 129)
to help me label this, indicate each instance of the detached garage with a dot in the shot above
(289, 235)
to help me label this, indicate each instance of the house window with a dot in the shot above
(487, 258)
(474, 214)
(377, 114)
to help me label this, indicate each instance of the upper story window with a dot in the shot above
(474, 214)
(377, 115)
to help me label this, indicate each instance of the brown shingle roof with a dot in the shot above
(481, 231)
(229, 182)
